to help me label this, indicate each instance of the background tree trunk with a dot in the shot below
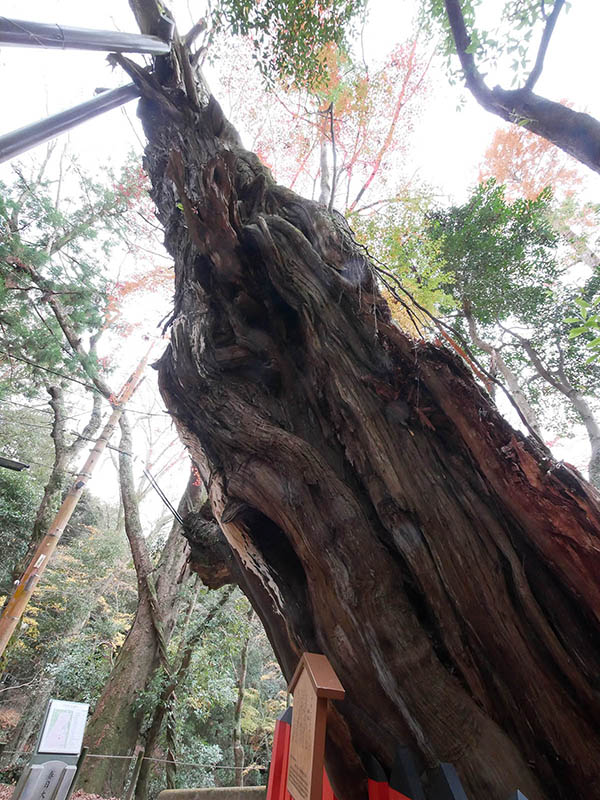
(114, 727)
(64, 457)
(238, 747)
(179, 674)
(380, 509)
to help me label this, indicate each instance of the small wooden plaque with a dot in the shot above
(314, 682)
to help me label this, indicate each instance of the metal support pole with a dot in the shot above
(16, 142)
(444, 783)
(10, 463)
(21, 33)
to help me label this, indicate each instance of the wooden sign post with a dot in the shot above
(313, 684)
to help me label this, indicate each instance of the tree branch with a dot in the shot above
(574, 132)
(507, 373)
(334, 155)
(546, 36)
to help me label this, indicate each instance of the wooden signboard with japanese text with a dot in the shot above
(313, 685)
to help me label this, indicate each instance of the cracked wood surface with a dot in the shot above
(445, 565)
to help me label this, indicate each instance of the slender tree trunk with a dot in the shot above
(588, 418)
(559, 381)
(325, 190)
(238, 747)
(509, 376)
(64, 456)
(379, 508)
(114, 727)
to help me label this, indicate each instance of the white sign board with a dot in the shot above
(63, 728)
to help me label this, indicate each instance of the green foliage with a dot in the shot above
(499, 257)
(288, 37)
(394, 236)
(24, 436)
(19, 498)
(56, 234)
(587, 324)
(207, 696)
(508, 270)
(81, 611)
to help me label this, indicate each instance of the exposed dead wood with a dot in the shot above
(378, 507)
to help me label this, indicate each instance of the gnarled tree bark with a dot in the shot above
(378, 507)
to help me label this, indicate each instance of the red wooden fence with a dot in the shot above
(404, 782)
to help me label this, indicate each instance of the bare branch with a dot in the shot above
(574, 132)
(546, 36)
(334, 154)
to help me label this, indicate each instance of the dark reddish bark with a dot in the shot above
(379, 508)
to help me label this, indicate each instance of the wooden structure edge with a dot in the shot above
(324, 680)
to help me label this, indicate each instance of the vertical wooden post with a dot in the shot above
(312, 685)
(13, 610)
(136, 774)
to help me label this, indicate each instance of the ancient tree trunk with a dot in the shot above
(379, 508)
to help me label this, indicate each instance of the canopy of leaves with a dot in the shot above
(56, 237)
(288, 36)
(499, 256)
(587, 322)
(527, 164)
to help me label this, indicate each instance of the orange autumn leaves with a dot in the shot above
(527, 164)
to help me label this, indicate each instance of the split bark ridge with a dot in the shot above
(378, 507)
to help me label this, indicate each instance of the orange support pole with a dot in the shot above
(13, 610)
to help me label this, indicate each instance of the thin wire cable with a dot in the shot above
(163, 497)
(81, 383)
(145, 758)
(151, 479)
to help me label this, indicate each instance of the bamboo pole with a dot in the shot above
(13, 611)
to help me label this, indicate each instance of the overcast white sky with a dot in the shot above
(36, 82)
(450, 144)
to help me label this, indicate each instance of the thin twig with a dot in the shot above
(334, 155)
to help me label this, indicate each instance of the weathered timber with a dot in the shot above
(445, 564)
